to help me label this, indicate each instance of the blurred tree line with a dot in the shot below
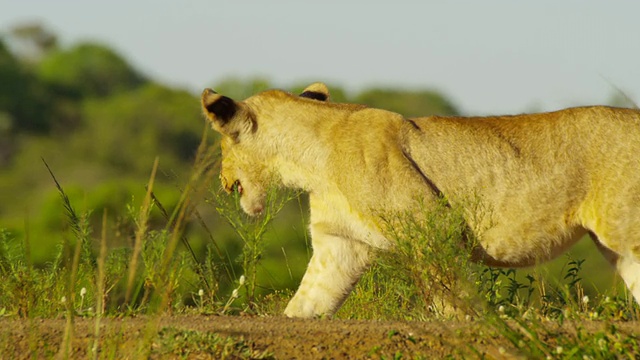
(100, 123)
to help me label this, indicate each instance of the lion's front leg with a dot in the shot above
(335, 267)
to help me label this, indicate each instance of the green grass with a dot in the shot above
(426, 277)
(181, 343)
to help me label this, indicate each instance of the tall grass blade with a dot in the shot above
(79, 229)
(100, 292)
(185, 241)
(141, 230)
(66, 347)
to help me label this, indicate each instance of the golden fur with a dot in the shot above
(548, 179)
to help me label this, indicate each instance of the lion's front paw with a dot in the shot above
(298, 308)
(301, 307)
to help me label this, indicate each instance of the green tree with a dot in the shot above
(10, 76)
(89, 69)
(127, 131)
(24, 101)
(408, 103)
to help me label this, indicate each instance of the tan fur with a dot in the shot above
(548, 178)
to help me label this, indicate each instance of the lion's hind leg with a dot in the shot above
(629, 270)
(627, 266)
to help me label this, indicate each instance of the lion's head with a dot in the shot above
(244, 160)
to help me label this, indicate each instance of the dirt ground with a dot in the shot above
(214, 337)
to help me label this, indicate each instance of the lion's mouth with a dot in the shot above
(237, 186)
(231, 187)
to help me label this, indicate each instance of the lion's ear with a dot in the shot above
(227, 116)
(316, 91)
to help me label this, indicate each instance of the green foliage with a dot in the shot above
(11, 75)
(89, 69)
(428, 272)
(24, 104)
(127, 131)
(156, 278)
(251, 232)
(30, 291)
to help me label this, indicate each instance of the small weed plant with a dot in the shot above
(251, 232)
(429, 275)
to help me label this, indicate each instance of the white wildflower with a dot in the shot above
(83, 292)
(234, 294)
(63, 299)
(201, 293)
(242, 279)
(559, 350)
(585, 299)
(501, 309)
(602, 343)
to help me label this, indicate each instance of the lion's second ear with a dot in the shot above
(227, 116)
(317, 91)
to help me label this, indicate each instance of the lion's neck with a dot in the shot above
(300, 164)
(296, 151)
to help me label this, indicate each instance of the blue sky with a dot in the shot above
(489, 57)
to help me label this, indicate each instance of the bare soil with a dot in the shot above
(215, 337)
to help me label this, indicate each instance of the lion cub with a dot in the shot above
(548, 178)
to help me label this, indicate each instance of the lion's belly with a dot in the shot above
(514, 247)
(530, 219)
